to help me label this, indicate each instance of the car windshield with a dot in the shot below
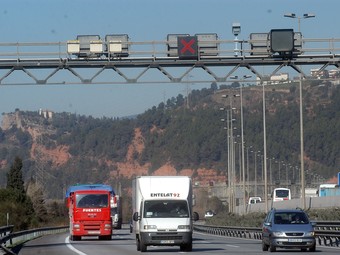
(166, 209)
(290, 218)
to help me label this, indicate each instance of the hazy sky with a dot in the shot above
(142, 20)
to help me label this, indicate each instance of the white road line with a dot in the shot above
(69, 245)
(233, 246)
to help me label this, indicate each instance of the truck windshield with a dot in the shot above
(166, 209)
(92, 200)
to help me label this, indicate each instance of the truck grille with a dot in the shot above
(92, 226)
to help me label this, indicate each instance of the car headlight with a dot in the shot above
(183, 227)
(278, 234)
(312, 234)
(76, 226)
(150, 227)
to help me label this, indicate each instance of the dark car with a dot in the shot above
(288, 228)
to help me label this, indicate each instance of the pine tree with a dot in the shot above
(14, 176)
(20, 205)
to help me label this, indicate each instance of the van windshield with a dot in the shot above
(166, 209)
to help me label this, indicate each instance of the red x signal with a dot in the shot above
(187, 47)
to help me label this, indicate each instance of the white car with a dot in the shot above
(254, 200)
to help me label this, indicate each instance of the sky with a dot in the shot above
(142, 20)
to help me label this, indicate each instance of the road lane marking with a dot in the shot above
(70, 246)
(233, 246)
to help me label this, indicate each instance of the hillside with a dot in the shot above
(171, 139)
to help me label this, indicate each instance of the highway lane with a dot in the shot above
(123, 243)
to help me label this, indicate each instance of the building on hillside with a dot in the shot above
(46, 113)
(319, 74)
(273, 79)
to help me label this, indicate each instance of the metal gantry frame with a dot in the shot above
(27, 57)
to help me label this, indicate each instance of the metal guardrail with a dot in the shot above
(10, 239)
(327, 232)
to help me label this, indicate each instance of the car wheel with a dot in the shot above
(264, 246)
(312, 249)
(272, 248)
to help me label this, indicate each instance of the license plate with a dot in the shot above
(167, 241)
(295, 240)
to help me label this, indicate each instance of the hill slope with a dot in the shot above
(172, 139)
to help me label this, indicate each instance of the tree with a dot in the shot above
(18, 204)
(35, 192)
(14, 176)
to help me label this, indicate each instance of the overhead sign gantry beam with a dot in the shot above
(201, 51)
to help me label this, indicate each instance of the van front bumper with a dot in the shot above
(166, 238)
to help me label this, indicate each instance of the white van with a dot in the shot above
(162, 211)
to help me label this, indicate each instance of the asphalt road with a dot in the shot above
(123, 243)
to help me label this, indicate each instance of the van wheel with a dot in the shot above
(186, 247)
(138, 244)
(142, 246)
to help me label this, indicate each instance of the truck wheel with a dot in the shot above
(142, 246)
(75, 238)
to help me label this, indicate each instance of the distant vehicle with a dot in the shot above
(209, 214)
(288, 228)
(116, 212)
(254, 200)
(281, 194)
(328, 189)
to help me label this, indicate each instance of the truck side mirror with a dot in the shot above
(195, 216)
(135, 216)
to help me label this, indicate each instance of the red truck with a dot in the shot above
(90, 210)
